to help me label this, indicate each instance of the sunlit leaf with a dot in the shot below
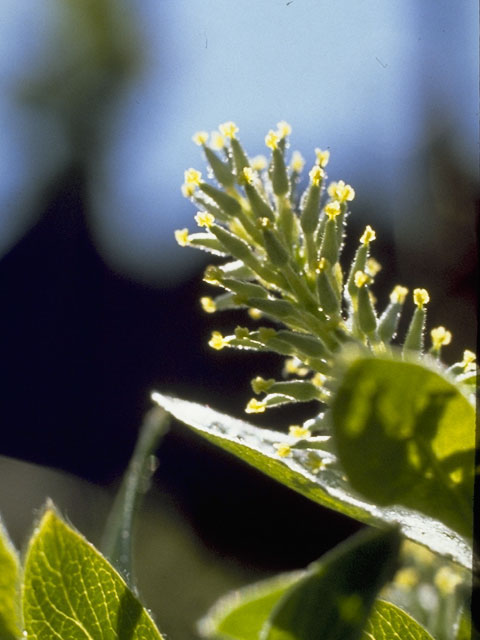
(9, 588)
(311, 473)
(71, 592)
(242, 614)
(389, 622)
(405, 435)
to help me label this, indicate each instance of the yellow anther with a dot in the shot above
(181, 236)
(192, 176)
(265, 223)
(468, 362)
(188, 190)
(297, 162)
(228, 129)
(283, 129)
(407, 578)
(333, 209)
(255, 406)
(368, 235)
(341, 191)
(296, 431)
(200, 137)
(316, 175)
(440, 337)
(447, 580)
(293, 366)
(204, 219)
(398, 294)
(283, 449)
(323, 156)
(258, 163)
(255, 314)
(248, 175)
(217, 141)
(318, 379)
(420, 297)
(208, 305)
(271, 139)
(373, 267)
(217, 341)
(361, 279)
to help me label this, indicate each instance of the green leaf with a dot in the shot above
(9, 588)
(118, 536)
(405, 435)
(389, 622)
(242, 614)
(71, 591)
(311, 473)
(335, 598)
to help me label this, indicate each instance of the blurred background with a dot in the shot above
(98, 103)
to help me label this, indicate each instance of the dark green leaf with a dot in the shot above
(335, 598)
(405, 436)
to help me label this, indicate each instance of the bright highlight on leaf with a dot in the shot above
(9, 588)
(71, 592)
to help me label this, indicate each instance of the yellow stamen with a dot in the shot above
(284, 129)
(341, 191)
(316, 175)
(200, 137)
(192, 176)
(255, 406)
(204, 219)
(398, 294)
(258, 163)
(440, 337)
(181, 236)
(368, 235)
(296, 431)
(217, 341)
(297, 162)
(283, 449)
(228, 129)
(208, 304)
(323, 156)
(361, 279)
(217, 141)
(248, 175)
(420, 297)
(333, 209)
(271, 139)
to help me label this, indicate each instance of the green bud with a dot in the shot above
(221, 170)
(278, 174)
(310, 210)
(240, 159)
(275, 248)
(388, 322)
(358, 264)
(244, 289)
(228, 204)
(258, 205)
(326, 294)
(329, 246)
(206, 242)
(260, 385)
(300, 390)
(414, 339)
(235, 246)
(305, 344)
(277, 308)
(367, 320)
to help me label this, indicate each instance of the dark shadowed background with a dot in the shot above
(98, 102)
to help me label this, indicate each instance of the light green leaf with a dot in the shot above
(389, 622)
(335, 598)
(118, 536)
(9, 588)
(241, 615)
(405, 435)
(71, 591)
(312, 474)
